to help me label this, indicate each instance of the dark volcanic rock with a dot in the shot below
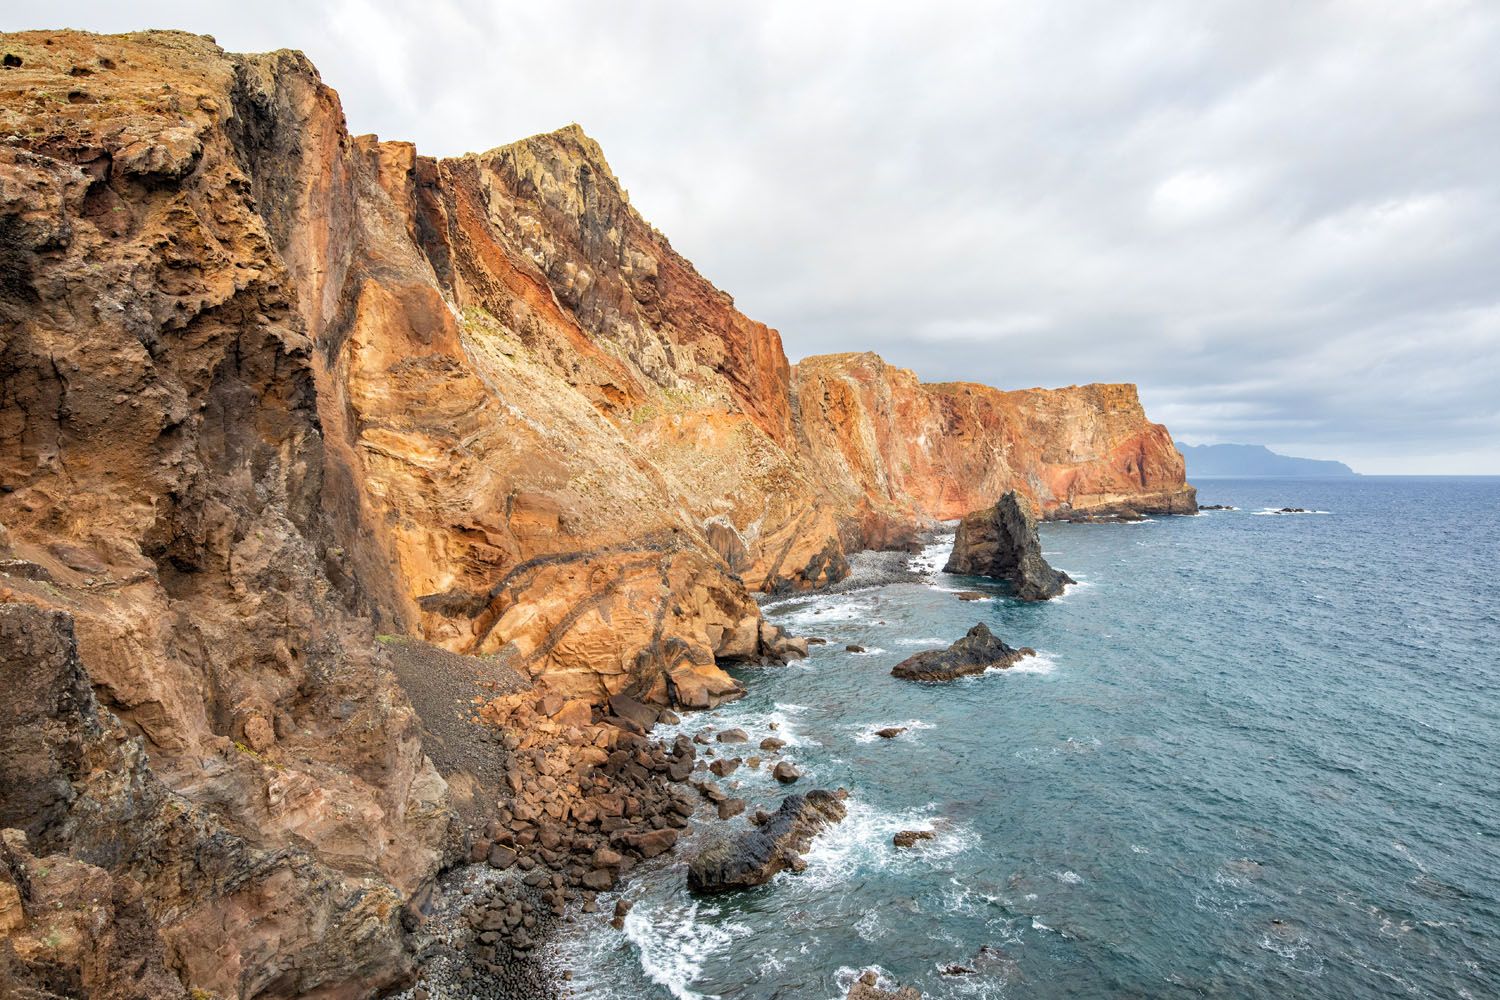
(973, 654)
(754, 856)
(1001, 542)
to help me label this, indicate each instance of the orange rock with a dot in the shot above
(272, 389)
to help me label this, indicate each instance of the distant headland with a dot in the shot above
(1208, 460)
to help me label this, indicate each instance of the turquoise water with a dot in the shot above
(1259, 756)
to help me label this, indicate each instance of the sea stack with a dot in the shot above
(1001, 542)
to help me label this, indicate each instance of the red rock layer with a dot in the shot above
(888, 444)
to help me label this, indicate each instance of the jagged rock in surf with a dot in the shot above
(1001, 542)
(975, 653)
(867, 987)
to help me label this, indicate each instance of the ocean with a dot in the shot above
(1258, 755)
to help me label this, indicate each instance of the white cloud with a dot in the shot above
(1280, 217)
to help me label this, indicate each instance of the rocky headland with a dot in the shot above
(361, 512)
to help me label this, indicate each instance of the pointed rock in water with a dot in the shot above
(973, 654)
(1001, 542)
(773, 845)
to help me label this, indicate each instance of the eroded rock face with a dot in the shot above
(267, 390)
(1001, 542)
(71, 929)
(181, 886)
(897, 448)
(752, 857)
(975, 653)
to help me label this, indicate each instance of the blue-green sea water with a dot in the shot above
(1258, 756)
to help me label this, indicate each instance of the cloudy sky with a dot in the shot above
(1281, 219)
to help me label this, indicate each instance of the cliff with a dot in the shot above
(267, 390)
(885, 443)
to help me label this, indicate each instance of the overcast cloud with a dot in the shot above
(1281, 219)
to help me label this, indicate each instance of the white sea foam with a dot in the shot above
(1278, 512)
(928, 641)
(866, 734)
(672, 941)
(1041, 663)
(863, 842)
(867, 651)
(780, 721)
(933, 557)
(1068, 877)
(941, 589)
(869, 927)
(1069, 589)
(822, 611)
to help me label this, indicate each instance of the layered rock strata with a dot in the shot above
(979, 650)
(893, 448)
(269, 390)
(1001, 542)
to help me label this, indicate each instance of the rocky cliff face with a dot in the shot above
(899, 449)
(267, 390)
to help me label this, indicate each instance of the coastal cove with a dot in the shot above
(1254, 758)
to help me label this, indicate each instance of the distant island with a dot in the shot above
(1208, 460)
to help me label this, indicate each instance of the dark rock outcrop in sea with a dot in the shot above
(752, 857)
(867, 987)
(975, 653)
(1001, 542)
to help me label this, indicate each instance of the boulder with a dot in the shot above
(733, 736)
(786, 772)
(890, 732)
(753, 856)
(652, 842)
(628, 708)
(907, 838)
(973, 654)
(867, 987)
(1001, 542)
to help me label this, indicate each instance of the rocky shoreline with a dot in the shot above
(381, 503)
